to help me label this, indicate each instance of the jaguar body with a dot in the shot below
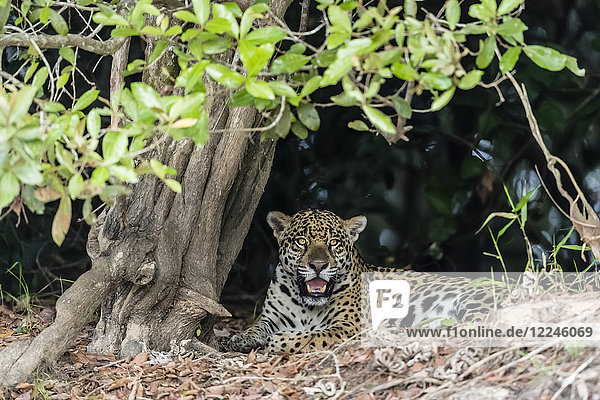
(314, 298)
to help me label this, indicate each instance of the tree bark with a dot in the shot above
(160, 259)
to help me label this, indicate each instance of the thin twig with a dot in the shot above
(45, 41)
(262, 129)
(572, 377)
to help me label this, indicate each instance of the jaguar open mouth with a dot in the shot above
(316, 287)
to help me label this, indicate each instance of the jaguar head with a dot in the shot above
(315, 250)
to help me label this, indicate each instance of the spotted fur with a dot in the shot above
(319, 244)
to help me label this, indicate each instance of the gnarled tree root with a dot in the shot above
(74, 310)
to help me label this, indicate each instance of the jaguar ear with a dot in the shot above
(355, 226)
(278, 221)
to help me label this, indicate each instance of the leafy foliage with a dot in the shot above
(60, 152)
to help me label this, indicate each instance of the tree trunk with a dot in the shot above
(160, 259)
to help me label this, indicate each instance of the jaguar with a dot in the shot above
(314, 299)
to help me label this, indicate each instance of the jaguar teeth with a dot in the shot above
(311, 290)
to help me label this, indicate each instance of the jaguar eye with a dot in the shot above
(334, 242)
(300, 242)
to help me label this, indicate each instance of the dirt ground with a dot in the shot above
(348, 371)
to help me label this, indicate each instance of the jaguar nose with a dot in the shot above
(318, 265)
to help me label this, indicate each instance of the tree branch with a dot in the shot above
(45, 41)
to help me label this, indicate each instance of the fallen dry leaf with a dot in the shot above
(417, 367)
(24, 386)
(140, 359)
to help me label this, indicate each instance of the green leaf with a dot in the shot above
(99, 176)
(114, 19)
(260, 89)
(343, 62)
(410, 8)
(202, 10)
(399, 33)
(174, 185)
(151, 30)
(10, 188)
(470, 80)
(44, 15)
(93, 123)
(442, 100)
(345, 100)
(62, 80)
(358, 125)
(215, 46)
(402, 107)
(299, 130)
(486, 52)
(220, 25)
(187, 35)
(297, 48)
(32, 68)
(241, 99)
(233, 9)
(225, 76)
(51, 106)
(282, 89)
(160, 46)
(174, 30)
(339, 19)
(148, 8)
(22, 104)
(68, 54)
(255, 58)
(484, 11)
(507, 6)
(28, 174)
(282, 128)
(86, 99)
(404, 71)
(309, 116)
(288, 63)
(452, 13)
(114, 146)
(187, 17)
(379, 119)
(123, 32)
(249, 15)
(191, 77)
(497, 214)
(436, 80)
(4, 13)
(509, 59)
(501, 231)
(42, 74)
(545, 57)
(62, 220)
(222, 13)
(268, 34)
(310, 86)
(125, 174)
(58, 23)
(573, 67)
(511, 27)
(145, 95)
(28, 194)
(523, 200)
(75, 185)
(158, 168)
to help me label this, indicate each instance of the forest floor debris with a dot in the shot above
(345, 372)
